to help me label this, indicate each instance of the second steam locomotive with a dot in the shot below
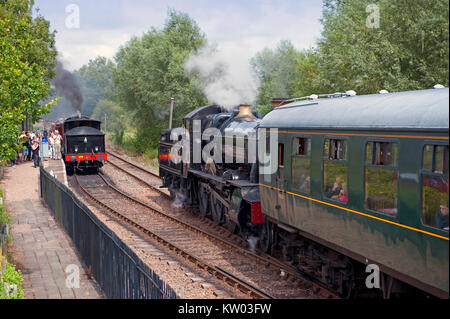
(83, 145)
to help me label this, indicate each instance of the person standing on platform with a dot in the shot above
(29, 141)
(58, 139)
(51, 143)
(35, 148)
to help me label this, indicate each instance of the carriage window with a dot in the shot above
(382, 153)
(381, 177)
(335, 149)
(435, 159)
(301, 146)
(435, 187)
(335, 170)
(301, 162)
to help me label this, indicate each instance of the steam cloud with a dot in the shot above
(66, 84)
(226, 78)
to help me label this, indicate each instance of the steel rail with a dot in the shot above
(231, 280)
(133, 164)
(139, 179)
(290, 271)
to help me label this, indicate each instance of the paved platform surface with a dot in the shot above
(41, 249)
(57, 167)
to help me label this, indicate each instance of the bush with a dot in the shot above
(11, 283)
(4, 216)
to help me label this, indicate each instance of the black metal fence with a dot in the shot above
(117, 269)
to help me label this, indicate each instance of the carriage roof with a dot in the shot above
(411, 110)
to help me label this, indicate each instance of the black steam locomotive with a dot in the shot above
(225, 190)
(83, 145)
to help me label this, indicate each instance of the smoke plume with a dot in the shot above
(226, 77)
(66, 85)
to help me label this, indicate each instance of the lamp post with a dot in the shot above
(171, 112)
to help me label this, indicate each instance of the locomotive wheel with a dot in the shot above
(203, 200)
(216, 211)
(266, 238)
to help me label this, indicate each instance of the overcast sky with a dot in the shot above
(244, 26)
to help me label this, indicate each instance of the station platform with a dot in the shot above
(40, 248)
(57, 168)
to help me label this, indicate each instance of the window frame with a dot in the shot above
(389, 167)
(422, 172)
(327, 158)
(295, 155)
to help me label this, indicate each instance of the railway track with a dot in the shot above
(99, 190)
(134, 165)
(216, 233)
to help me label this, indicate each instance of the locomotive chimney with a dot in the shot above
(245, 112)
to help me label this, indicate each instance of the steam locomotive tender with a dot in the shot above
(359, 181)
(83, 146)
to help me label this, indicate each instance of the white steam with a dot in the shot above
(227, 78)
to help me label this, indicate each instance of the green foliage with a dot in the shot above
(11, 277)
(27, 56)
(5, 219)
(96, 82)
(408, 51)
(116, 120)
(150, 70)
(276, 70)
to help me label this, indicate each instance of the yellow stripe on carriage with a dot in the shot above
(357, 212)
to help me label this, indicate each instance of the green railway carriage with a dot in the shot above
(362, 180)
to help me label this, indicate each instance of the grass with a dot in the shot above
(148, 157)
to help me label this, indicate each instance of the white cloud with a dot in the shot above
(242, 27)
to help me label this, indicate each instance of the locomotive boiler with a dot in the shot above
(219, 176)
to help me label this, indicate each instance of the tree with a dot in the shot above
(150, 71)
(26, 51)
(408, 49)
(115, 118)
(284, 72)
(96, 82)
